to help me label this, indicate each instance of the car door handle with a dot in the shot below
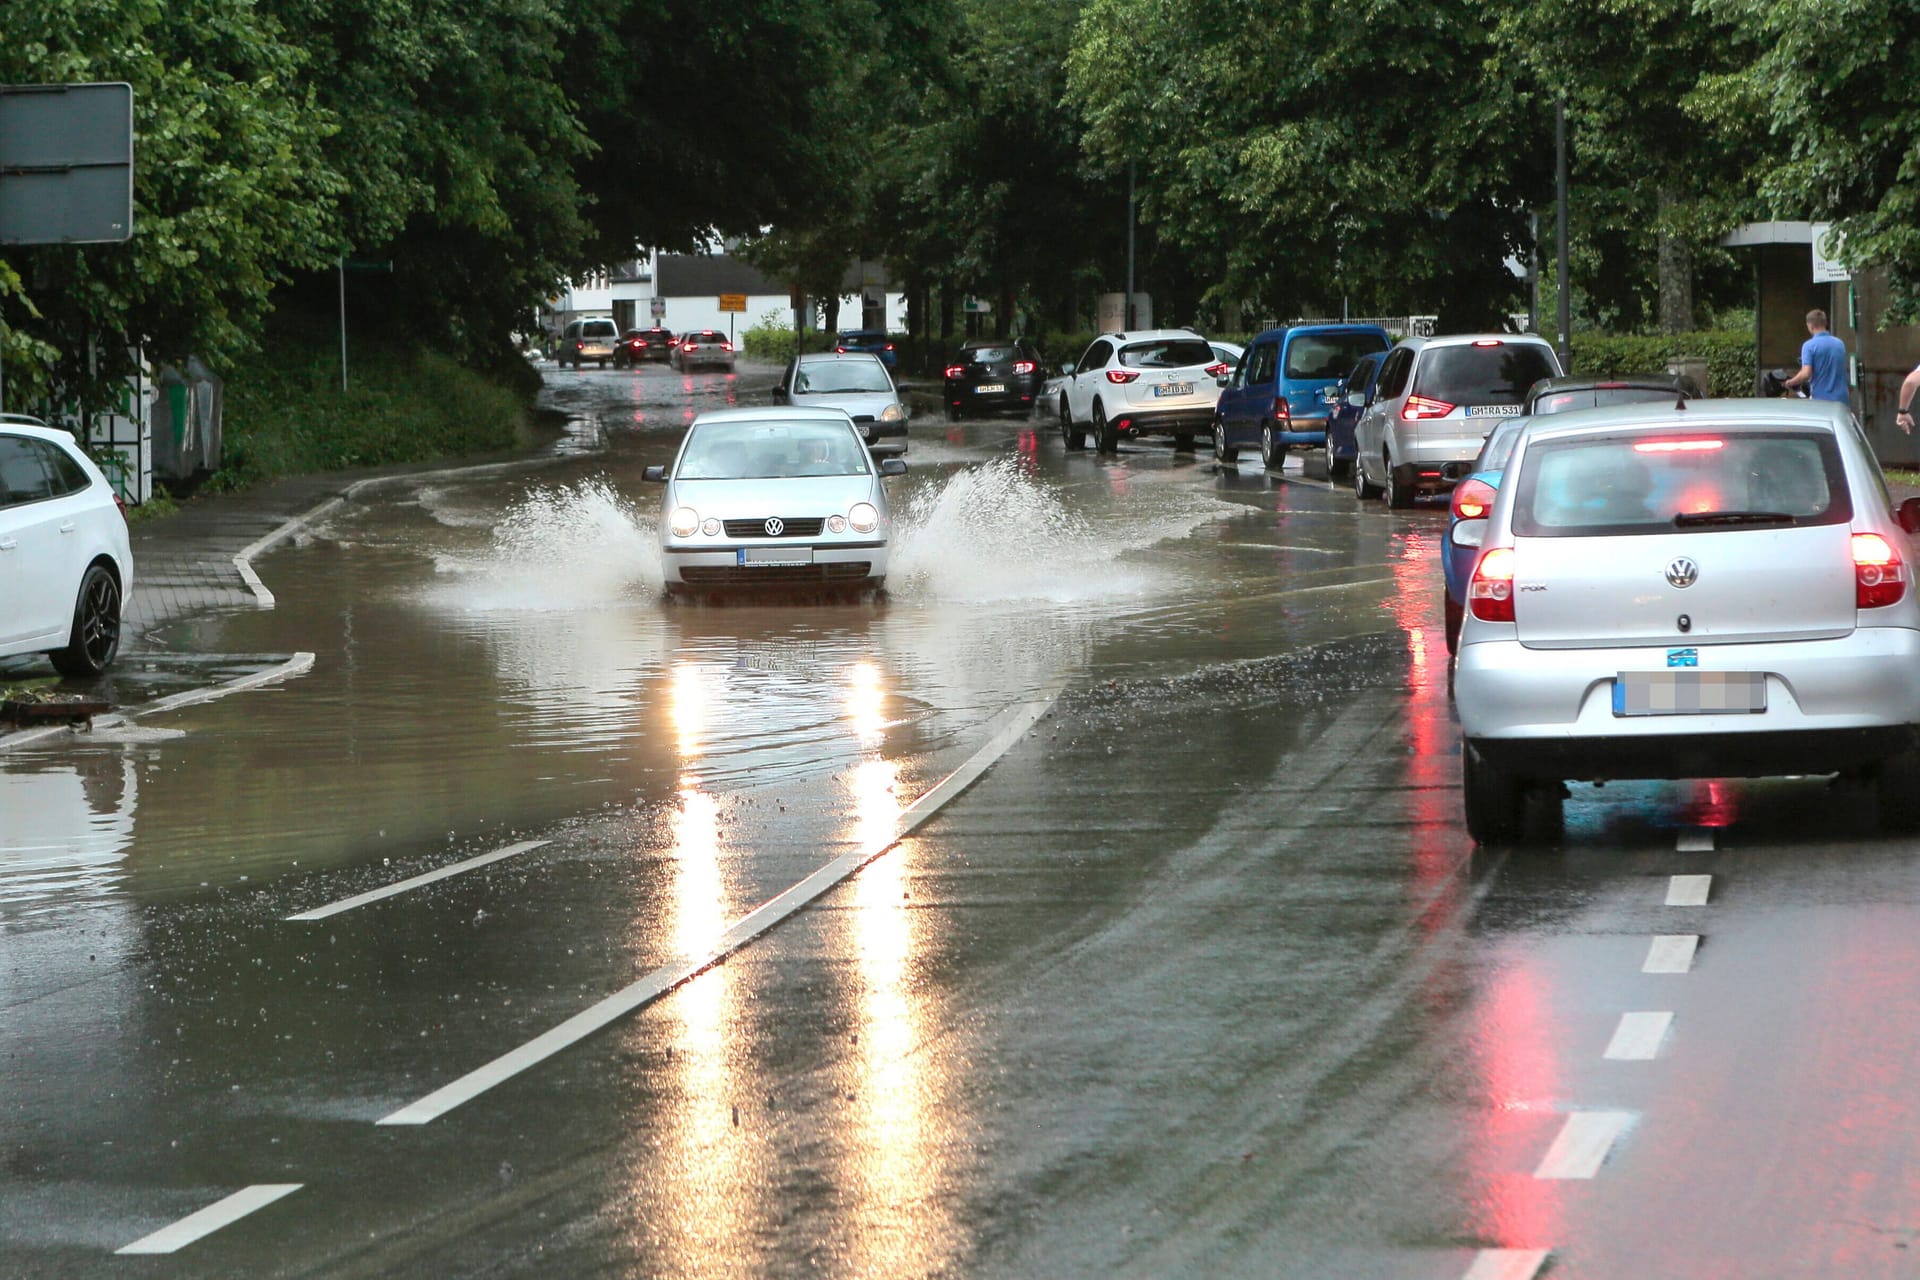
(8, 545)
(67, 527)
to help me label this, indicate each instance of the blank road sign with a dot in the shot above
(66, 163)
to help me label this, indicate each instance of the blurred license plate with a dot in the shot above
(987, 387)
(1689, 693)
(1493, 411)
(1174, 389)
(775, 555)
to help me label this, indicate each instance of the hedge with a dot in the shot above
(1729, 356)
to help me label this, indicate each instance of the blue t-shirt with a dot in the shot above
(1827, 356)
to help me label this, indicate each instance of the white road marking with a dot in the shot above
(212, 1218)
(1506, 1264)
(1689, 891)
(1695, 840)
(401, 886)
(1671, 953)
(1583, 1144)
(739, 934)
(1638, 1037)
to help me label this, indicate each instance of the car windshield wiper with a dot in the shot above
(1692, 519)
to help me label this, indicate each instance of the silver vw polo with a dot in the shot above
(1704, 588)
(774, 498)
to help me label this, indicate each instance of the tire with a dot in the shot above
(95, 637)
(1183, 443)
(1456, 616)
(1336, 467)
(1107, 436)
(1363, 488)
(1399, 490)
(1896, 790)
(1071, 432)
(1222, 451)
(1496, 801)
(1267, 458)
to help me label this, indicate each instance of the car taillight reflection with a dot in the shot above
(1425, 407)
(1490, 594)
(1879, 575)
(1472, 499)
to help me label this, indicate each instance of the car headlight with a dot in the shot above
(893, 413)
(864, 517)
(710, 526)
(836, 524)
(685, 520)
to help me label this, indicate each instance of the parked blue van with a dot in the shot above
(1273, 400)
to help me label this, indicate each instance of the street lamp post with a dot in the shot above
(1563, 287)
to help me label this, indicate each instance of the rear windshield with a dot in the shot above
(1599, 398)
(768, 450)
(705, 335)
(1166, 353)
(865, 337)
(989, 355)
(1482, 375)
(1670, 483)
(828, 377)
(1330, 355)
(598, 329)
(1499, 446)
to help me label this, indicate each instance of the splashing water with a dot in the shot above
(571, 547)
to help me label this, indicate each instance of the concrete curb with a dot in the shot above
(298, 665)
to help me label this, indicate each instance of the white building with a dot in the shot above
(683, 291)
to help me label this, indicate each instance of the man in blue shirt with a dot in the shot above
(1823, 362)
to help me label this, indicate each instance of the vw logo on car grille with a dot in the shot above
(1683, 572)
(776, 526)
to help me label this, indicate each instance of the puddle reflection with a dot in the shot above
(65, 829)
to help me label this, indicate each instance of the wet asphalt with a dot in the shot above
(1202, 977)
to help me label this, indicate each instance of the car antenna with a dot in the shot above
(1681, 403)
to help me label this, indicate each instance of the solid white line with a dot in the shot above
(739, 934)
(401, 886)
(1583, 1144)
(1695, 840)
(1671, 953)
(212, 1218)
(1689, 891)
(1506, 1264)
(1638, 1037)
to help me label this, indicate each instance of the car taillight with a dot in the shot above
(956, 370)
(1282, 411)
(1121, 376)
(1472, 499)
(1023, 366)
(1425, 407)
(889, 346)
(1879, 575)
(1218, 368)
(1486, 342)
(579, 346)
(726, 346)
(689, 346)
(840, 350)
(1490, 594)
(121, 503)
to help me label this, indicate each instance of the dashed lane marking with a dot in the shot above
(1507, 1264)
(1583, 1144)
(1689, 891)
(1638, 1037)
(1671, 953)
(402, 886)
(210, 1219)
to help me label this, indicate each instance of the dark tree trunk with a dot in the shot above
(1676, 273)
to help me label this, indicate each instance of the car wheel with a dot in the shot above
(1336, 467)
(1071, 432)
(1363, 487)
(1456, 615)
(1222, 451)
(1399, 486)
(1896, 787)
(1495, 799)
(95, 637)
(1106, 436)
(1269, 458)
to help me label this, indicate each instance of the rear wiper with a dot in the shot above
(1692, 519)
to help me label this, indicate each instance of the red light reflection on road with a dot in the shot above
(1712, 804)
(1512, 1047)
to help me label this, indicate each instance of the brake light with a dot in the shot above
(1121, 377)
(1679, 446)
(121, 503)
(579, 346)
(1023, 366)
(956, 370)
(1879, 576)
(1487, 342)
(1282, 411)
(840, 350)
(1217, 368)
(889, 346)
(1425, 407)
(1490, 594)
(726, 346)
(1472, 499)
(689, 346)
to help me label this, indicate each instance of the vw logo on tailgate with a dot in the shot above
(775, 526)
(1683, 572)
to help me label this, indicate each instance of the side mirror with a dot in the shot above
(1220, 381)
(657, 475)
(1473, 533)
(893, 466)
(780, 394)
(1066, 370)
(1356, 400)
(1908, 515)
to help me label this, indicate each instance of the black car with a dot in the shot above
(1574, 392)
(643, 344)
(993, 375)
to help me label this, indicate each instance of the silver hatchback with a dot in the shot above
(1709, 588)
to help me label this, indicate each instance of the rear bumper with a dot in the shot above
(1194, 420)
(1725, 755)
(1439, 445)
(1018, 395)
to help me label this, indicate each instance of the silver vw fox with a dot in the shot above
(1703, 588)
(774, 498)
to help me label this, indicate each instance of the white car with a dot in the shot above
(774, 498)
(859, 384)
(1698, 588)
(1158, 382)
(65, 563)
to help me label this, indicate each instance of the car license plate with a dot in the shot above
(774, 555)
(986, 388)
(1493, 411)
(1174, 389)
(1686, 692)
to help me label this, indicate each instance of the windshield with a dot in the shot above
(1166, 353)
(1498, 374)
(988, 355)
(1330, 355)
(598, 329)
(1669, 482)
(770, 450)
(1600, 398)
(829, 377)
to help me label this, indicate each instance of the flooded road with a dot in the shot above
(1202, 976)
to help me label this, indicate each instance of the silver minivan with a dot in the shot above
(1704, 588)
(1435, 403)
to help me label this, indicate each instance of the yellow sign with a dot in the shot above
(733, 302)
